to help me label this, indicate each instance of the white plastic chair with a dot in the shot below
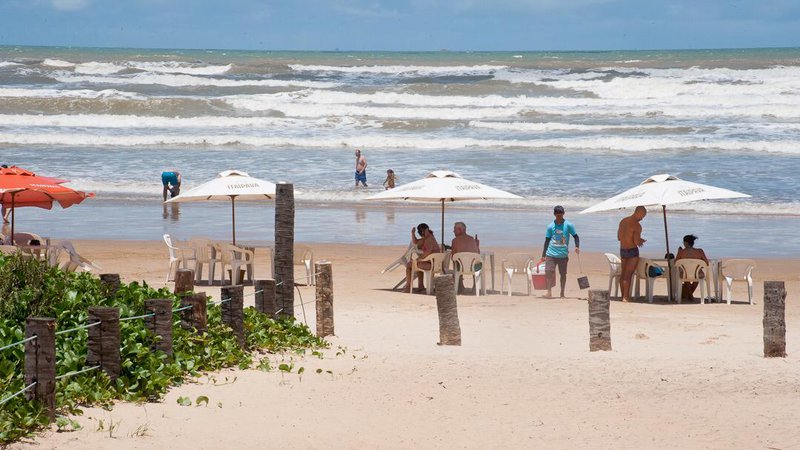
(513, 264)
(436, 260)
(464, 264)
(304, 256)
(178, 256)
(236, 258)
(692, 270)
(75, 260)
(205, 255)
(642, 273)
(614, 272)
(738, 270)
(26, 238)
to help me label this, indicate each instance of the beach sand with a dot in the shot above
(679, 376)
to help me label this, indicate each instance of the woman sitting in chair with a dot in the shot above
(689, 252)
(427, 244)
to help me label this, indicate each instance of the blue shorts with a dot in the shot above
(362, 177)
(169, 178)
(625, 253)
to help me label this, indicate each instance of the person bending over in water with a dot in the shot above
(630, 239)
(171, 181)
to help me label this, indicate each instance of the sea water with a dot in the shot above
(570, 128)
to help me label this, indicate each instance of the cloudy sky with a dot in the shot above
(402, 24)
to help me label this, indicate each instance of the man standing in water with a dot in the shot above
(630, 239)
(361, 169)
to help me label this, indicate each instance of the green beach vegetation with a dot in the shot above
(30, 288)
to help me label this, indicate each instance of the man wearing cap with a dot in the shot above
(556, 249)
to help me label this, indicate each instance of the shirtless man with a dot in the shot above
(630, 239)
(361, 169)
(427, 243)
(463, 243)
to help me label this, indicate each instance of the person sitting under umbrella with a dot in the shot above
(689, 252)
(427, 243)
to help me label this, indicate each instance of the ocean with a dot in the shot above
(570, 128)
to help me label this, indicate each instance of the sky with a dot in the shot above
(414, 25)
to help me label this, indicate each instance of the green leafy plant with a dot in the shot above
(29, 288)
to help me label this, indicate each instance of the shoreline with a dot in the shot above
(720, 236)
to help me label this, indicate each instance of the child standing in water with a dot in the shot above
(390, 179)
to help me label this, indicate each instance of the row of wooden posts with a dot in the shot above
(103, 344)
(774, 321)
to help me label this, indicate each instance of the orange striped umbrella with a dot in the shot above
(20, 187)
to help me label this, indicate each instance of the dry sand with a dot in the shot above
(679, 376)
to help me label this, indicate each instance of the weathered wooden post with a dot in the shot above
(195, 317)
(324, 303)
(160, 324)
(599, 321)
(111, 282)
(284, 248)
(265, 297)
(104, 340)
(232, 304)
(449, 326)
(774, 319)
(40, 362)
(184, 281)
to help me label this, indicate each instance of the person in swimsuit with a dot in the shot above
(390, 180)
(630, 239)
(688, 251)
(427, 244)
(361, 169)
(171, 181)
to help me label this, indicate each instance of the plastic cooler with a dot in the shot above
(538, 277)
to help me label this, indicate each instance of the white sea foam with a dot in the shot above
(552, 126)
(98, 68)
(179, 80)
(9, 64)
(57, 63)
(181, 67)
(68, 93)
(388, 141)
(397, 69)
(101, 121)
(309, 105)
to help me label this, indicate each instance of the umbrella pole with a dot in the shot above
(669, 261)
(13, 215)
(442, 223)
(233, 217)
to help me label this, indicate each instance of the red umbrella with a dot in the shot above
(20, 187)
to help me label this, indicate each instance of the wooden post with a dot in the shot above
(104, 340)
(599, 321)
(111, 282)
(774, 319)
(449, 327)
(324, 303)
(40, 362)
(196, 317)
(160, 324)
(265, 299)
(233, 310)
(184, 281)
(284, 248)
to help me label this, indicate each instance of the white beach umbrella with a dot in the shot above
(442, 186)
(229, 185)
(663, 190)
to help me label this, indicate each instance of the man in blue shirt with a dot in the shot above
(556, 249)
(171, 181)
